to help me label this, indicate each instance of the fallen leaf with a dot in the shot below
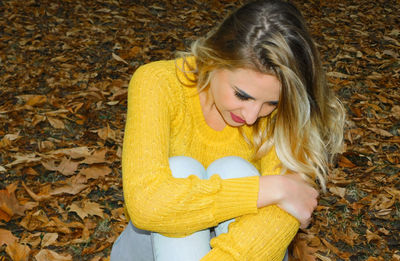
(381, 132)
(86, 208)
(71, 189)
(43, 194)
(33, 100)
(98, 156)
(338, 191)
(66, 167)
(95, 172)
(337, 75)
(9, 204)
(119, 59)
(372, 236)
(6, 237)
(56, 123)
(49, 255)
(74, 153)
(396, 111)
(18, 252)
(49, 239)
(35, 220)
(20, 159)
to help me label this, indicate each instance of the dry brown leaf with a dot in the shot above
(38, 119)
(33, 239)
(95, 172)
(33, 100)
(9, 204)
(56, 123)
(338, 191)
(28, 158)
(372, 236)
(381, 132)
(119, 59)
(66, 167)
(337, 75)
(43, 194)
(106, 133)
(86, 208)
(6, 237)
(335, 250)
(55, 224)
(35, 220)
(47, 255)
(98, 156)
(7, 140)
(396, 111)
(346, 163)
(302, 251)
(45, 145)
(74, 153)
(71, 189)
(18, 252)
(49, 239)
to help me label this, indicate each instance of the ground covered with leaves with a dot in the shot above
(64, 72)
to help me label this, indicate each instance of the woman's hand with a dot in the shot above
(291, 193)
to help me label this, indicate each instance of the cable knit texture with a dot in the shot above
(165, 119)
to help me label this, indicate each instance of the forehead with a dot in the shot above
(256, 84)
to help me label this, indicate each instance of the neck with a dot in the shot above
(210, 112)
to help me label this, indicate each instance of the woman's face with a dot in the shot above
(241, 96)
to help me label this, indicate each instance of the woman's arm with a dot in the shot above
(259, 237)
(291, 193)
(267, 234)
(154, 199)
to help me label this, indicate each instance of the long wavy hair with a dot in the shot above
(270, 36)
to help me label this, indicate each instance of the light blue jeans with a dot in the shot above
(139, 245)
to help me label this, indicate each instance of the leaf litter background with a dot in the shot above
(64, 72)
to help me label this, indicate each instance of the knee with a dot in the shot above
(232, 167)
(182, 167)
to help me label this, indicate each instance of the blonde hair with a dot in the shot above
(270, 36)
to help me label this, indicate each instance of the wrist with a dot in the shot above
(270, 190)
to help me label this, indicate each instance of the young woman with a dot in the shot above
(247, 147)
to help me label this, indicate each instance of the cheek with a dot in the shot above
(266, 110)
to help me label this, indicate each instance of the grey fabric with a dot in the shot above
(132, 245)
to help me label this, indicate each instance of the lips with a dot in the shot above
(237, 118)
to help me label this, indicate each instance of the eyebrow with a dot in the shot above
(250, 97)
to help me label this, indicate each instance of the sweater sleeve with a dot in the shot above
(262, 236)
(156, 201)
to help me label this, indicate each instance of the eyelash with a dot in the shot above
(244, 98)
(241, 96)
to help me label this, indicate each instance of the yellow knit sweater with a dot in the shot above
(165, 119)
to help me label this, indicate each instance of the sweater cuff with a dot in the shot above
(237, 197)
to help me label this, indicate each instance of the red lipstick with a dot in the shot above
(237, 118)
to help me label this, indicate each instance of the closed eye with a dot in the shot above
(241, 96)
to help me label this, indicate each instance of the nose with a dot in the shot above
(251, 113)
